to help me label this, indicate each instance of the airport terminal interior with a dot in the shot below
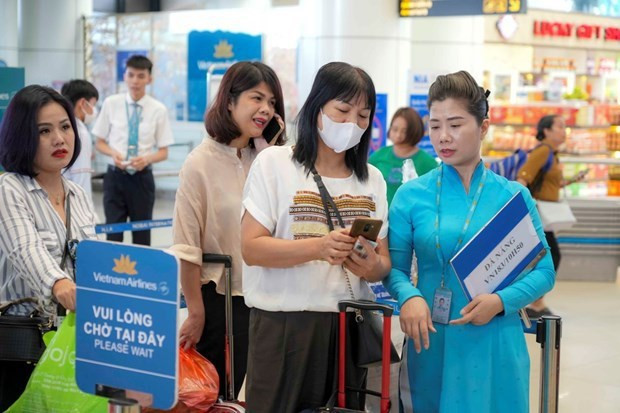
(536, 57)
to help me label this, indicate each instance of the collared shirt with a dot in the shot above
(32, 239)
(81, 170)
(113, 126)
(208, 206)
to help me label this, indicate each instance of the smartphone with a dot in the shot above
(271, 130)
(368, 228)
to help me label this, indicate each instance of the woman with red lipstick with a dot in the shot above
(474, 359)
(42, 215)
(208, 208)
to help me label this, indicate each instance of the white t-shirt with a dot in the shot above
(81, 170)
(113, 126)
(283, 198)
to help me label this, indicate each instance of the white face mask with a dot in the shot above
(90, 117)
(340, 136)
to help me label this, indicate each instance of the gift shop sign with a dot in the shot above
(126, 320)
(545, 28)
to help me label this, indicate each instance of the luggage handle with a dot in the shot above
(387, 310)
(217, 259)
(386, 347)
(229, 391)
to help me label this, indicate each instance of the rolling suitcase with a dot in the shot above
(228, 404)
(385, 363)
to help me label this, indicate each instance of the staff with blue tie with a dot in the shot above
(134, 130)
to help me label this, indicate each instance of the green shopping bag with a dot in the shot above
(52, 386)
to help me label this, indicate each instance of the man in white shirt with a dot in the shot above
(134, 130)
(83, 96)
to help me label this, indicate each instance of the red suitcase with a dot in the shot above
(229, 404)
(385, 364)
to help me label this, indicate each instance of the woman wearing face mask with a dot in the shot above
(406, 131)
(208, 207)
(478, 361)
(41, 215)
(83, 96)
(297, 269)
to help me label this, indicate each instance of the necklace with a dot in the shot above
(58, 198)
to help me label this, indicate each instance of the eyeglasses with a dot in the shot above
(71, 253)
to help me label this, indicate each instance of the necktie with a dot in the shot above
(134, 126)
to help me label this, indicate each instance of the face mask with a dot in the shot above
(90, 117)
(340, 136)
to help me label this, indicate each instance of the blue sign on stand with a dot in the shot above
(206, 48)
(379, 124)
(11, 81)
(126, 320)
(121, 61)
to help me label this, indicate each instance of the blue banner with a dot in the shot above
(379, 124)
(133, 226)
(121, 61)
(418, 102)
(206, 48)
(126, 320)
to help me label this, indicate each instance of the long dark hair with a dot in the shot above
(238, 78)
(340, 81)
(19, 133)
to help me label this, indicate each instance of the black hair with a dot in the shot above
(19, 132)
(238, 78)
(546, 122)
(462, 86)
(340, 81)
(77, 89)
(137, 61)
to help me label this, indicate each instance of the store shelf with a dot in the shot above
(565, 159)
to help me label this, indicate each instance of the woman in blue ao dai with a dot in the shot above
(478, 360)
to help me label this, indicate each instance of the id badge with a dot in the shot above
(441, 305)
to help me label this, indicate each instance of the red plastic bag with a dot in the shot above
(198, 380)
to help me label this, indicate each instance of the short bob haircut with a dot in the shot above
(335, 81)
(77, 89)
(238, 78)
(19, 132)
(546, 122)
(415, 126)
(139, 62)
(461, 86)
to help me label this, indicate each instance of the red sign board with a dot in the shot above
(544, 28)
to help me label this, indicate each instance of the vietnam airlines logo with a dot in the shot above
(124, 265)
(223, 50)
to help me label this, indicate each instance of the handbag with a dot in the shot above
(366, 333)
(555, 216)
(21, 336)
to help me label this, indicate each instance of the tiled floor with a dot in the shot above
(590, 351)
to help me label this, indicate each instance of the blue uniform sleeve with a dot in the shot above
(539, 280)
(400, 238)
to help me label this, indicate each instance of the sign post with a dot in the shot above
(126, 329)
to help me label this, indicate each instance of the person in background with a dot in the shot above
(406, 130)
(133, 129)
(545, 186)
(208, 208)
(477, 362)
(38, 140)
(298, 261)
(83, 96)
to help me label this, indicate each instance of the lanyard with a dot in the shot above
(470, 214)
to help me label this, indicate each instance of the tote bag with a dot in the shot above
(555, 216)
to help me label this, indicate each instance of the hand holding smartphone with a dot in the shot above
(369, 229)
(273, 129)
